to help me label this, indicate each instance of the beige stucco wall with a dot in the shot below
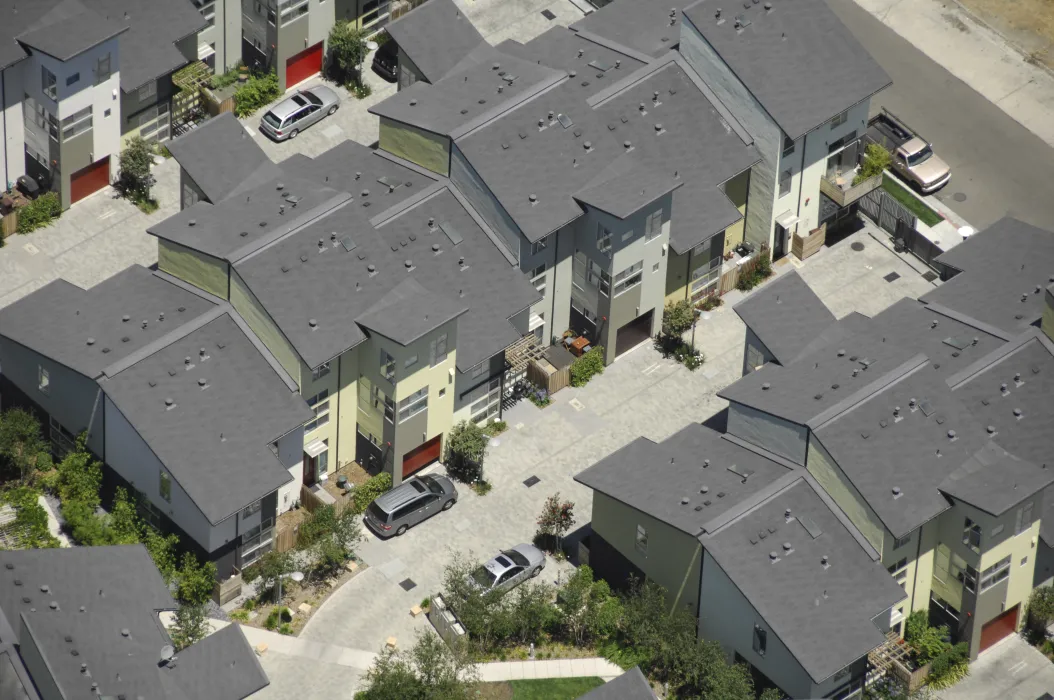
(830, 476)
(428, 150)
(672, 559)
(246, 304)
(202, 271)
(918, 550)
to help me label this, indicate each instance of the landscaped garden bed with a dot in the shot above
(912, 203)
(539, 689)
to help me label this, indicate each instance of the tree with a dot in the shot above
(191, 625)
(31, 520)
(677, 318)
(133, 178)
(466, 448)
(124, 522)
(876, 159)
(347, 49)
(1041, 609)
(429, 671)
(588, 610)
(330, 538)
(196, 580)
(22, 446)
(272, 565)
(80, 475)
(556, 519)
(162, 549)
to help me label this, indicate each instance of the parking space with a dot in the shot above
(1011, 670)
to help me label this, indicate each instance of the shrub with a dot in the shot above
(362, 90)
(761, 270)
(40, 212)
(950, 666)
(222, 80)
(876, 159)
(692, 359)
(916, 625)
(240, 615)
(191, 625)
(31, 520)
(496, 428)
(286, 628)
(1041, 608)
(539, 397)
(365, 493)
(556, 519)
(255, 93)
(133, 178)
(587, 366)
(711, 302)
(347, 48)
(466, 449)
(271, 622)
(677, 318)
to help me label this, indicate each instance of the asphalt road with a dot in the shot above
(998, 165)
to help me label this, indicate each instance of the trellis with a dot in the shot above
(187, 104)
(892, 651)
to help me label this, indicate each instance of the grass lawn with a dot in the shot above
(915, 205)
(539, 689)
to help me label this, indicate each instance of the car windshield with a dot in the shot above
(920, 157)
(271, 119)
(312, 98)
(376, 513)
(433, 485)
(516, 557)
(484, 577)
(299, 99)
(416, 483)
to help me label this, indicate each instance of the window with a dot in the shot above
(603, 239)
(147, 91)
(1024, 518)
(387, 366)
(43, 380)
(653, 226)
(271, 18)
(1024, 560)
(319, 403)
(73, 79)
(102, 69)
(251, 510)
(487, 406)
(899, 571)
(106, 112)
(47, 83)
(997, 530)
(413, 404)
(785, 182)
(77, 123)
(320, 371)
(207, 8)
(995, 573)
(966, 574)
(627, 235)
(840, 119)
(788, 145)
(655, 267)
(292, 9)
(379, 399)
(628, 278)
(539, 245)
(642, 540)
(437, 350)
(899, 542)
(760, 640)
(538, 278)
(972, 535)
(410, 362)
(166, 486)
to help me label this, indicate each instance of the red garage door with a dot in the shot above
(999, 628)
(302, 66)
(422, 455)
(90, 179)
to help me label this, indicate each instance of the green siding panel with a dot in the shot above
(428, 150)
(829, 475)
(265, 329)
(201, 270)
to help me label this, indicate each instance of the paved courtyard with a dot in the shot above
(1011, 670)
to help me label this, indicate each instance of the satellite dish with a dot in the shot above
(167, 652)
(297, 576)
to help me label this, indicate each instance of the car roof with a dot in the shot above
(285, 108)
(496, 565)
(402, 494)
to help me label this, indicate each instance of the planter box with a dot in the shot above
(912, 679)
(805, 246)
(9, 224)
(845, 197)
(226, 591)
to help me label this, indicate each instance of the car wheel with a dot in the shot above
(401, 530)
(293, 133)
(332, 110)
(449, 504)
(537, 570)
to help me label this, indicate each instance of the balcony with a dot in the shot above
(840, 188)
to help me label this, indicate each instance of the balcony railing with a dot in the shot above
(843, 192)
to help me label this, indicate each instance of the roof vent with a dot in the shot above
(774, 556)
(825, 562)
(896, 411)
(655, 96)
(684, 500)
(541, 123)
(787, 515)
(897, 492)
(409, 264)
(841, 353)
(413, 102)
(312, 322)
(371, 268)
(1024, 297)
(533, 198)
(628, 145)
(991, 430)
(91, 341)
(125, 632)
(192, 222)
(787, 547)
(768, 7)
(1017, 412)
(202, 382)
(588, 145)
(1002, 388)
(1017, 377)
(658, 127)
(911, 404)
(706, 463)
(145, 323)
(435, 247)
(766, 386)
(641, 107)
(951, 434)
(169, 403)
(704, 489)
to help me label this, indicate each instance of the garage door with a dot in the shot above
(999, 628)
(90, 179)
(422, 455)
(633, 333)
(304, 65)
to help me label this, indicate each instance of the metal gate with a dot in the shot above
(886, 211)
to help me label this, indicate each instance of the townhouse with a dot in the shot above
(926, 424)
(84, 622)
(419, 55)
(77, 80)
(754, 547)
(176, 396)
(382, 294)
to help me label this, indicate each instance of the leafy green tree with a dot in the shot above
(196, 581)
(530, 612)
(80, 475)
(270, 566)
(23, 449)
(134, 179)
(31, 520)
(256, 92)
(588, 610)
(677, 318)
(162, 549)
(771, 694)
(347, 49)
(429, 671)
(587, 366)
(466, 449)
(191, 625)
(1041, 608)
(556, 519)
(330, 537)
(124, 522)
(876, 159)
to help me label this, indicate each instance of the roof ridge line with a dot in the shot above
(753, 502)
(1012, 346)
(857, 397)
(968, 320)
(613, 45)
(651, 67)
(250, 250)
(506, 107)
(177, 333)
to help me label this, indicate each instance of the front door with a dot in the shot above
(779, 243)
(310, 470)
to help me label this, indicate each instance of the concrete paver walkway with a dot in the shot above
(548, 668)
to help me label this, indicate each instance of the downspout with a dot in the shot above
(687, 275)
(915, 582)
(336, 445)
(801, 186)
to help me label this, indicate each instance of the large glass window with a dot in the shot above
(43, 380)
(641, 542)
(760, 640)
(603, 239)
(899, 571)
(537, 276)
(972, 535)
(166, 486)
(320, 371)
(48, 83)
(148, 91)
(653, 226)
(785, 182)
(437, 350)
(413, 404)
(387, 366)
(102, 69)
(995, 573)
(628, 278)
(292, 9)
(1024, 518)
(319, 403)
(77, 123)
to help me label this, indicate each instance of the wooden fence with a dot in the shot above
(886, 211)
(285, 540)
(9, 224)
(542, 373)
(311, 502)
(805, 246)
(731, 278)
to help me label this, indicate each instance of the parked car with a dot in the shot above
(913, 156)
(386, 61)
(414, 500)
(510, 568)
(297, 112)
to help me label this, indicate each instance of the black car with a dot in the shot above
(386, 61)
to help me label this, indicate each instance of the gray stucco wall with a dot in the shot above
(467, 389)
(35, 664)
(483, 201)
(767, 136)
(753, 343)
(767, 431)
(76, 153)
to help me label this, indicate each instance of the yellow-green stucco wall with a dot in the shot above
(201, 270)
(425, 148)
(243, 300)
(827, 472)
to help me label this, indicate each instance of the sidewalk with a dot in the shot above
(976, 55)
(548, 668)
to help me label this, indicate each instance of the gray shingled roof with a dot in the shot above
(879, 453)
(654, 478)
(76, 316)
(631, 685)
(218, 177)
(227, 410)
(641, 25)
(823, 615)
(336, 287)
(1005, 269)
(101, 592)
(798, 59)
(436, 36)
(469, 93)
(59, 28)
(626, 186)
(786, 315)
(232, 228)
(408, 311)
(995, 480)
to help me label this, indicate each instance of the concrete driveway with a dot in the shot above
(1011, 670)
